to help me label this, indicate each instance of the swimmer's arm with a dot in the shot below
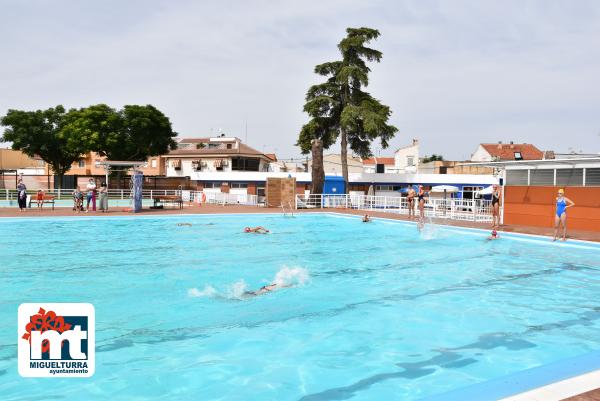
(570, 202)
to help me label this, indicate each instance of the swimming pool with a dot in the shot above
(378, 312)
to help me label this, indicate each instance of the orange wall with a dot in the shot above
(536, 206)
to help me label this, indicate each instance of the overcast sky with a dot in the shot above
(455, 73)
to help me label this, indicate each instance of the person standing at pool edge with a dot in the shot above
(103, 197)
(421, 199)
(560, 217)
(91, 189)
(410, 197)
(495, 206)
(22, 195)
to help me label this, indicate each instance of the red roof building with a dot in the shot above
(506, 151)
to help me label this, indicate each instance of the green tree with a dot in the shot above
(133, 133)
(145, 131)
(41, 133)
(321, 131)
(343, 108)
(433, 158)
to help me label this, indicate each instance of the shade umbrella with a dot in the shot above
(486, 191)
(445, 189)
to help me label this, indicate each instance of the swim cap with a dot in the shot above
(247, 229)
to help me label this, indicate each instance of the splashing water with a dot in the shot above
(208, 291)
(429, 231)
(286, 277)
(290, 276)
(237, 289)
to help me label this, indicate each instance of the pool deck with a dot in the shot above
(213, 209)
(545, 393)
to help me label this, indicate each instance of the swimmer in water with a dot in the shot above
(256, 230)
(366, 218)
(494, 235)
(265, 289)
(184, 224)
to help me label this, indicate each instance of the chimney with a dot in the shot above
(512, 145)
(499, 144)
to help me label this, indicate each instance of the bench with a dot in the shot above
(48, 199)
(163, 200)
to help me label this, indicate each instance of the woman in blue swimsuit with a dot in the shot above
(560, 217)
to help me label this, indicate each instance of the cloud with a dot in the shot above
(454, 73)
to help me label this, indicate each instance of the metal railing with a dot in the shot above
(125, 194)
(477, 210)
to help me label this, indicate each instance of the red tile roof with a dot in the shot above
(506, 151)
(380, 160)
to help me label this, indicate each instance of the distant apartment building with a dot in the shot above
(218, 154)
(211, 162)
(487, 152)
(452, 167)
(406, 159)
(380, 165)
(88, 166)
(15, 160)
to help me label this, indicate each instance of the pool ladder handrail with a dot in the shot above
(291, 213)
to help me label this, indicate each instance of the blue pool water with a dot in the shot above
(378, 311)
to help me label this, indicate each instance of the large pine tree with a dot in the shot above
(341, 108)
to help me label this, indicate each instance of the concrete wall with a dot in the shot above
(536, 206)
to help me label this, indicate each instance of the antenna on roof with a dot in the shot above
(246, 136)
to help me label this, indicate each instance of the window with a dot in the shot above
(592, 177)
(210, 185)
(518, 156)
(239, 185)
(81, 163)
(469, 192)
(229, 146)
(213, 145)
(380, 168)
(387, 187)
(197, 165)
(410, 160)
(184, 146)
(245, 164)
(516, 177)
(569, 176)
(153, 163)
(541, 177)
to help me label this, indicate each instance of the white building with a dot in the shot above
(386, 165)
(219, 154)
(487, 152)
(407, 158)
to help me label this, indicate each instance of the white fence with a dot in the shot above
(478, 210)
(123, 194)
